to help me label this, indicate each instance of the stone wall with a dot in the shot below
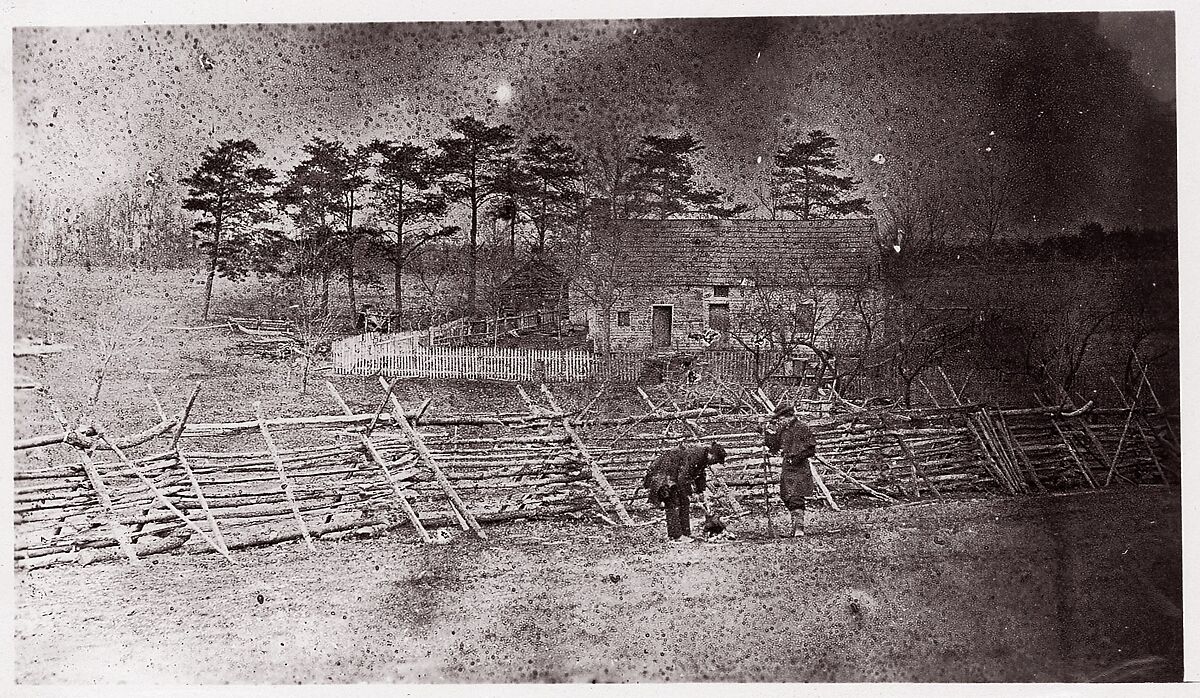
(691, 313)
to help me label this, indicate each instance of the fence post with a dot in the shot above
(115, 526)
(1087, 473)
(414, 438)
(597, 472)
(918, 473)
(160, 498)
(287, 485)
(369, 446)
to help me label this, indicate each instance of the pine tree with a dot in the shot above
(508, 185)
(407, 201)
(322, 194)
(806, 181)
(232, 195)
(663, 181)
(552, 185)
(468, 165)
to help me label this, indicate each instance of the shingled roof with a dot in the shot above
(726, 252)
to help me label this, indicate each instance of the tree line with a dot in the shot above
(135, 223)
(392, 199)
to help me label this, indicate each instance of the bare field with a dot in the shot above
(1059, 588)
(1056, 588)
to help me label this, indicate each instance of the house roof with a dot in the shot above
(537, 271)
(727, 252)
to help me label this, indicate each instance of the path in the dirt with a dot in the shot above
(1036, 589)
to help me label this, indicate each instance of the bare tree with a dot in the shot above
(915, 213)
(989, 196)
(598, 276)
(1146, 305)
(315, 328)
(770, 198)
(901, 339)
(922, 339)
(609, 174)
(1057, 345)
(774, 318)
(782, 315)
(864, 316)
(1050, 348)
(437, 267)
(496, 263)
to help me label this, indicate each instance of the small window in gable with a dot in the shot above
(721, 291)
(622, 318)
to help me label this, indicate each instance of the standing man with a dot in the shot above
(673, 477)
(362, 322)
(797, 443)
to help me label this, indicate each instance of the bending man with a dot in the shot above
(797, 443)
(673, 477)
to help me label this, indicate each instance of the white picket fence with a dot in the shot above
(475, 363)
(402, 356)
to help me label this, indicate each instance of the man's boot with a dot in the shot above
(799, 520)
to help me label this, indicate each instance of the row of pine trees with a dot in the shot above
(391, 199)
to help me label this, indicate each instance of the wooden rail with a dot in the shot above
(541, 463)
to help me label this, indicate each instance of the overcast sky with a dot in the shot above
(96, 107)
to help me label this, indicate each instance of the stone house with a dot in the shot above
(687, 285)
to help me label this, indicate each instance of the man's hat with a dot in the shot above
(783, 410)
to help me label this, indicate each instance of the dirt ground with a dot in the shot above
(1054, 588)
(1061, 588)
(141, 312)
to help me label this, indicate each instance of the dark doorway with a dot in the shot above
(718, 319)
(660, 327)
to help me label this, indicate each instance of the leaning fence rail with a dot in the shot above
(539, 463)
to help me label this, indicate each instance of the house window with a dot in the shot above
(718, 316)
(721, 291)
(622, 318)
(798, 367)
(805, 319)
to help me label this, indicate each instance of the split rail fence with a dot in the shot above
(231, 485)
